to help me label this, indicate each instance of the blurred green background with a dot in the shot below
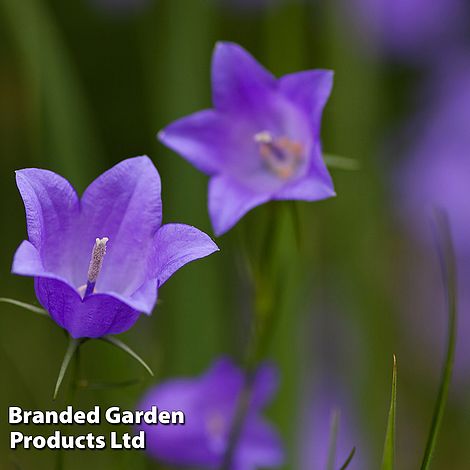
(82, 87)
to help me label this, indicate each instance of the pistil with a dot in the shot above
(281, 155)
(96, 263)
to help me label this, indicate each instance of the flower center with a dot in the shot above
(216, 427)
(96, 263)
(281, 155)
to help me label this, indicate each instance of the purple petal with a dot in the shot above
(266, 384)
(205, 139)
(144, 298)
(27, 260)
(178, 445)
(310, 91)
(177, 245)
(239, 83)
(260, 446)
(96, 316)
(123, 204)
(222, 383)
(314, 186)
(52, 208)
(229, 201)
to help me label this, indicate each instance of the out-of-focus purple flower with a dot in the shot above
(98, 260)
(438, 169)
(261, 141)
(120, 7)
(408, 27)
(437, 173)
(209, 403)
(325, 405)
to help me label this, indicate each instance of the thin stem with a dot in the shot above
(31, 308)
(71, 349)
(446, 254)
(264, 310)
(349, 459)
(241, 412)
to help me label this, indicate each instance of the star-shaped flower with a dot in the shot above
(98, 260)
(261, 141)
(210, 403)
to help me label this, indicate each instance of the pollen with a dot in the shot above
(97, 257)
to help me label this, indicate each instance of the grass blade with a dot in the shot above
(119, 344)
(349, 459)
(341, 163)
(446, 254)
(31, 308)
(71, 350)
(388, 459)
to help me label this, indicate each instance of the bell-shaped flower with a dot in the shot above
(209, 403)
(261, 141)
(98, 260)
(411, 30)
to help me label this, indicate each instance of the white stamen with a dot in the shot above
(263, 137)
(97, 257)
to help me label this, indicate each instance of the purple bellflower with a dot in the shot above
(98, 260)
(437, 174)
(209, 403)
(409, 28)
(261, 141)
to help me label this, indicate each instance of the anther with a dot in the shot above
(96, 263)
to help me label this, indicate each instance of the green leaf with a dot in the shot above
(341, 163)
(31, 308)
(334, 426)
(71, 350)
(119, 344)
(388, 459)
(349, 459)
(446, 255)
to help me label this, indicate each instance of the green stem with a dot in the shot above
(31, 308)
(448, 270)
(349, 459)
(243, 406)
(264, 320)
(71, 349)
